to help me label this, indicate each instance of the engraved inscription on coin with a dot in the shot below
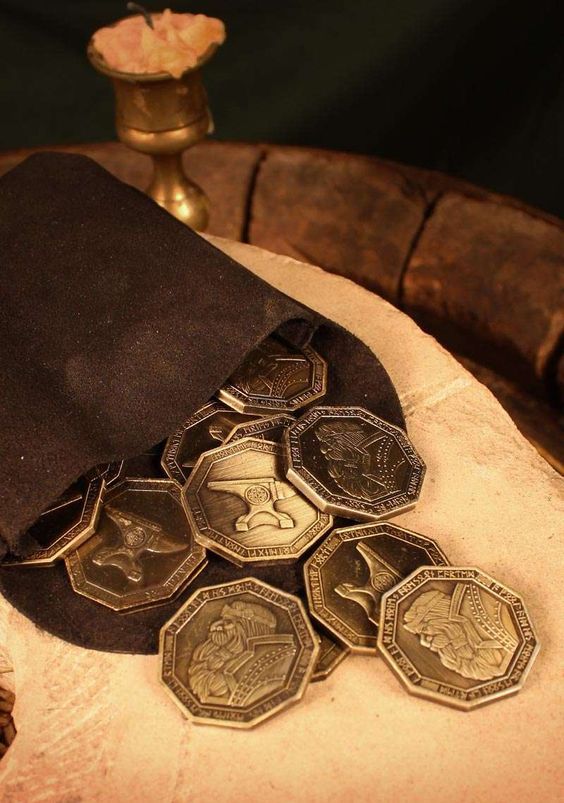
(271, 428)
(349, 462)
(66, 523)
(276, 377)
(236, 654)
(242, 507)
(457, 636)
(348, 574)
(205, 429)
(143, 550)
(331, 654)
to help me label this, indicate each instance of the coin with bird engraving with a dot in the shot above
(205, 429)
(351, 463)
(143, 550)
(271, 428)
(242, 507)
(236, 654)
(347, 575)
(276, 377)
(457, 636)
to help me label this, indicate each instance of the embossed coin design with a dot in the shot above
(143, 550)
(347, 575)
(237, 653)
(66, 523)
(331, 654)
(351, 463)
(242, 507)
(457, 636)
(276, 377)
(271, 428)
(206, 428)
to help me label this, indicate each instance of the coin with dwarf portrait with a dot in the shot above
(270, 428)
(331, 654)
(143, 550)
(276, 377)
(351, 463)
(347, 575)
(205, 429)
(242, 507)
(236, 654)
(457, 636)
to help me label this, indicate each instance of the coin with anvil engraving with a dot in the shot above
(331, 654)
(205, 429)
(236, 654)
(347, 575)
(271, 428)
(457, 636)
(242, 507)
(276, 377)
(65, 523)
(143, 551)
(351, 463)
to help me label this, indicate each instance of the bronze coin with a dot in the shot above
(347, 575)
(143, 550)
(457, 636)
(351, 463)
(331, 654)
(271, 428)
(242, 508)
(236, 654)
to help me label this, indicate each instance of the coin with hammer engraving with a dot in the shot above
(331, 654)
(347, 575)
(351, 463)
(236, 654)
(143, 551)
(457, 636)
(205, 429)
(271, 428)
(242, 507)
(66, 523)
(276, 377)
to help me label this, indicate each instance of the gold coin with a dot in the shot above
(236, 654)
(66, 523)
(241, 506)
(351, 463)
(271, 428)
(206, 428)
(276, 378)
(143, 550)
(331, 654)
(457, 636)
(347, 575)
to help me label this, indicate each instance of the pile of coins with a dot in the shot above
(250, 481)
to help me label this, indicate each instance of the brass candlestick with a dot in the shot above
(161, 116)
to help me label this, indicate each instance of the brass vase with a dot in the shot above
(161, 116)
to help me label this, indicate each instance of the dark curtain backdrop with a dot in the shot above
(474, 88)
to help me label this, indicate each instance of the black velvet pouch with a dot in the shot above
(117, 322)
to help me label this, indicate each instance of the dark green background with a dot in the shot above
(471, 87)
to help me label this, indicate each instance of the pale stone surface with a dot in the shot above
(97, 727)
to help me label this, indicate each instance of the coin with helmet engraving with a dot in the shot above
(143, 550)
(331, 654)
(236, 654)
(205, 429)
(242, 507)
(457, 636)
(351, 463)
(347, 575)
(276, 377)
(270, 428)
(65, 523)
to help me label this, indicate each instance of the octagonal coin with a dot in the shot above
(347, 575)
(457, 636)
(237, 653)
(270, 428)
(351, 463)
(276, 377)
(143, 550)
(242, 507)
